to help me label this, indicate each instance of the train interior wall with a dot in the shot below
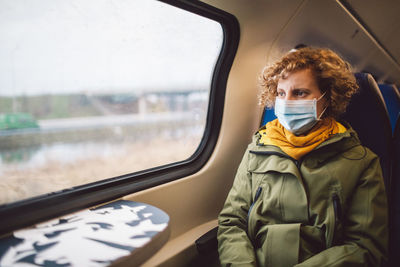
(267, 29)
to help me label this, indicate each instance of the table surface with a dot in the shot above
(106, 235)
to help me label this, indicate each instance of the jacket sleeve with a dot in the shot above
(234, 246)
(365, 226)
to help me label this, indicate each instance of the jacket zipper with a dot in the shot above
(257, 195)
(337, 213)
(337, 208)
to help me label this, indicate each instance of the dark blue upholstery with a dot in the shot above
(391, 96)
(268, 115)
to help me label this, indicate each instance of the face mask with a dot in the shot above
(297, 116)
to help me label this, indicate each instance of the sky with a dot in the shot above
(95, 46)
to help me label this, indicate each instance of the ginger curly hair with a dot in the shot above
(333, 75)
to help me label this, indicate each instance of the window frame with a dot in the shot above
(29, 211)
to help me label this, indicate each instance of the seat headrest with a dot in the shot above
(367, 109)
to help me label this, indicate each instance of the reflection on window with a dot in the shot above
(95, 89)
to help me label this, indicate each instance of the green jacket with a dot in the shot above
(329, 209)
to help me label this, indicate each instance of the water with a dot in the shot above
(37, 157)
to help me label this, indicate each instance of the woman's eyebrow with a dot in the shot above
(301, 89)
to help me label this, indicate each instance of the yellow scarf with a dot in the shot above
(298, 146)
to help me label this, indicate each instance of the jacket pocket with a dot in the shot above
(281, 247)
(250, 227)
(335, 217)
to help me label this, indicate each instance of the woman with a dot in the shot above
(306, 192)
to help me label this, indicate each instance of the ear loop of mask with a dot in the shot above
(322, 113)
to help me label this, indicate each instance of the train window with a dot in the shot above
(96, 89)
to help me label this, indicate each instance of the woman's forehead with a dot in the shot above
(301, 78)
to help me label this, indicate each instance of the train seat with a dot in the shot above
(367, 115)
(391, 95)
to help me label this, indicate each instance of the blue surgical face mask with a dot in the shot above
(297, 116)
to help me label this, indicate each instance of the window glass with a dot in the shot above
(94, 89)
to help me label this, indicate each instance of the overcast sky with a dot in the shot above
(64, 46)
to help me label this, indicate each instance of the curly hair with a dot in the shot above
(333, 75)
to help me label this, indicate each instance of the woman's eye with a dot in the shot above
(281, 94)
(301, 93)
